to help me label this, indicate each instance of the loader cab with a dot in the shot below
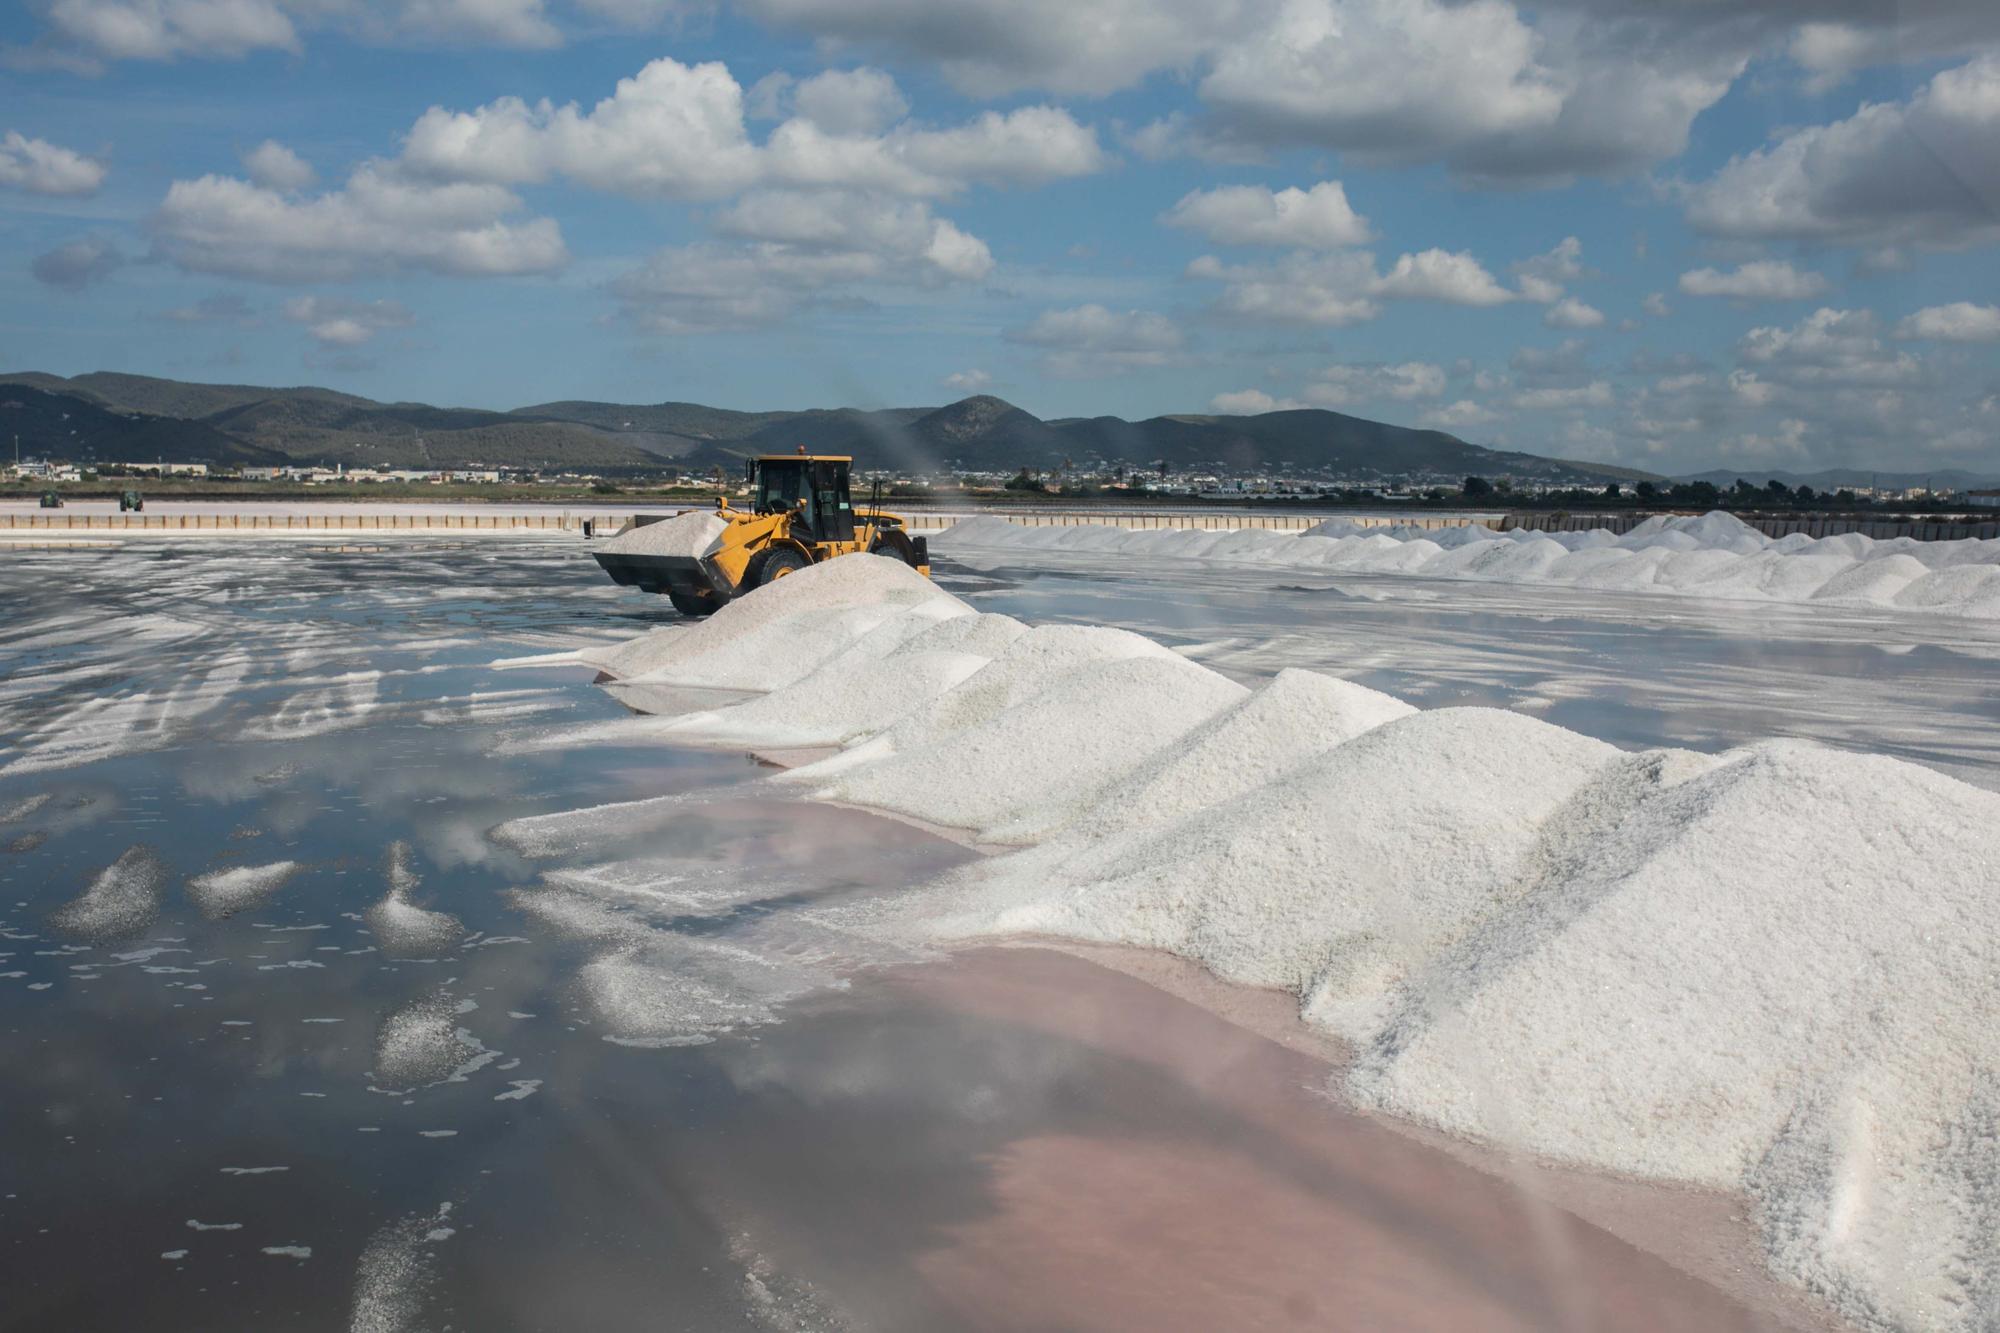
(781, 481)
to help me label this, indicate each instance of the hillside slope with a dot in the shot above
(308, 424)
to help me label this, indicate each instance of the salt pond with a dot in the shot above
(629, 1083)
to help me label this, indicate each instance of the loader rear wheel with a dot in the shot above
(767, 567)
(896, 544)
(693, 604)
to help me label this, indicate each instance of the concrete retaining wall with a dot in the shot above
(930, 522)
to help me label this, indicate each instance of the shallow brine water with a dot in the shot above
(331, 997)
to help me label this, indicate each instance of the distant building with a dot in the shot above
(1983, 499)
(163, 469)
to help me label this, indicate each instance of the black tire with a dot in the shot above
(694, 603)
(894, 542)
(768, 566)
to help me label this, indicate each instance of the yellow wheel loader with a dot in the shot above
(801, 513)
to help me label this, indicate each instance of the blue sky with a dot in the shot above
(1590, 229)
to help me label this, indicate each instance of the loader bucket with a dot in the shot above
(665, 574)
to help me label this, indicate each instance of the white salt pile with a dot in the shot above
(1333, 881)
(222, 893)
(1715, 556)
(1006, 775)
(693, 534)
(1293, 717)
(868, 689)
(400, 925)
(1778, 971)
(122, 900)
(779, 634)
(1772, 971)
(1022, 667)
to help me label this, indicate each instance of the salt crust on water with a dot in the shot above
(122, 900)
(1715, 556)
(402, 926)
(1774, 970)
(692, 534)
(222, 893)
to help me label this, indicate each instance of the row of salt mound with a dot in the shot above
(1333, 878)
(1772, 971)
(1715, 556)
(1654, 964)
(776, 635)
(1295, 717)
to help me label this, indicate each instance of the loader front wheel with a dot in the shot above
(767, 567)
(694, 603)
(895, 544)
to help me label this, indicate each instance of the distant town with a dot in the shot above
(1074, 483)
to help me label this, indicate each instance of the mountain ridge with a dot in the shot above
(183, 422)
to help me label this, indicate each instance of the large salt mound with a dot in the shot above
(1777, 972)
(1961, 587)
(1027, 665)
(1875, 581)
(778, 634)
(1059, 747)
(1297, 715)
(862, 691)
(1334, 879)
(693, 534)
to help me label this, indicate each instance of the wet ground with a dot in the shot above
(293, 1037)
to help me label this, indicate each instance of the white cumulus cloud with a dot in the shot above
(335, 322)
(1316, 219)
(1342, 385)
(166, 29)
(276, 167)
(1248, 403)
(1090, 340)
(1829, 347)
(376, 223)
(1570, 313)
(1440, 275)
(679, 130)
(1761, 280)
(40, 167)
(1959, 322)
(1925, 171)
(1597, 393)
